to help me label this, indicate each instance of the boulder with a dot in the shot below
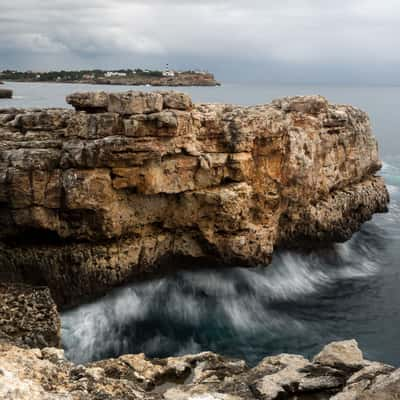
(90, 101)
(344, 354)
(6, 94)
(177, 101)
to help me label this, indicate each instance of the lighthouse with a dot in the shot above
(167, 71)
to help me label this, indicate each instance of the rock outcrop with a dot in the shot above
(128, 182)
(6, 94)
(34, 374)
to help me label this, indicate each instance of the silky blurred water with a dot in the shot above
(297, 304)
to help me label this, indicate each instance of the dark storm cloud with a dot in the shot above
(305, 39)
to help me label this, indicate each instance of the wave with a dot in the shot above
(299, 302)
(199, 309)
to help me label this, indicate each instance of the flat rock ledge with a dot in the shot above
(131, 182)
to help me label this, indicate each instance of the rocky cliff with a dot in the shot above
(130, 182)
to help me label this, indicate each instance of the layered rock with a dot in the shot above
(35, 374)
(128, 182)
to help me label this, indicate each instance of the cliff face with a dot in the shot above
(91, 197)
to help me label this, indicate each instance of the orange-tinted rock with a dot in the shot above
(91, 198)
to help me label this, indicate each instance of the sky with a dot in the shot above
(341, 41)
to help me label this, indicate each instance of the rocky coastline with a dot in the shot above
(178, 80)
(130, 183)
(97, 196)
(31, 369)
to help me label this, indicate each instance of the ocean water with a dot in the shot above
(297, 304)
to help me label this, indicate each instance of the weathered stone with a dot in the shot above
(341, 354)
(29, 316)
(45, 374)
(386, 387)
(90, 101)
(131, 103)
(177, 101)
(139, 178)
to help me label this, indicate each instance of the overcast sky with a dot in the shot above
(272, 40)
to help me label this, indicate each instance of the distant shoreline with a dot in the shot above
(127, 83)
(127, 78)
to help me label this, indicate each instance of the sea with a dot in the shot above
(297, 304)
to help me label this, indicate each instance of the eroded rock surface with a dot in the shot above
(28, 316)
(45, 374)
(91, 198)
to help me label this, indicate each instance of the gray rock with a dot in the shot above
(344, 354)
(6, 94)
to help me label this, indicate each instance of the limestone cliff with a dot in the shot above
(127, 182)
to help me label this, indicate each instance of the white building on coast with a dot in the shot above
(112, 74)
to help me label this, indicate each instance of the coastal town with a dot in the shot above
(137, 77)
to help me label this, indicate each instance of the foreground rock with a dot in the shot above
(28, 316)
(6, 94)
(46, 374)
(129, 182)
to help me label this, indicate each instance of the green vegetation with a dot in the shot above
(65, 76)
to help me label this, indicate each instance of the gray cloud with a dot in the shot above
(302, 39)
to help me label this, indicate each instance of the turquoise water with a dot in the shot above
(298, 304)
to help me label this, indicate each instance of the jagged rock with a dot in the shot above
(385, 387)
(363, 379)
(28, 316)
(133, 181)
(46, 374)
(90, 101)
(177, 101)
(345, 354)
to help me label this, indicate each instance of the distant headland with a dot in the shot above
(135, 77)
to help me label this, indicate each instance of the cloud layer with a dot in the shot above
(302, 39)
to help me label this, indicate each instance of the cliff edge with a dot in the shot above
(128, 182)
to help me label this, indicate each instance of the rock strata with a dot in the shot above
(35, 374)
(128, 182)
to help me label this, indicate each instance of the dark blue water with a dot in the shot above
(296, 305)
